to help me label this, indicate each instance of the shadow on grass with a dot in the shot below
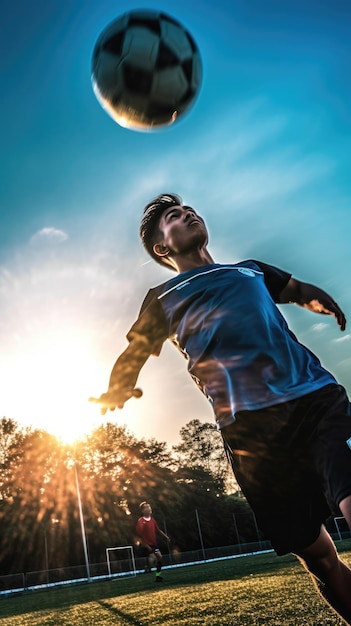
(126, 617)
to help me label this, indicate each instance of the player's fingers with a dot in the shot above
(342, 322)
(339, 314)
(340, 318)
(107, 405)
(137, 392)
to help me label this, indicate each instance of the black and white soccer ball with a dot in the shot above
(146, 69)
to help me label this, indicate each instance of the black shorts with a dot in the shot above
(293, 464)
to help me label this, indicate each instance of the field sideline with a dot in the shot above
(248, 591)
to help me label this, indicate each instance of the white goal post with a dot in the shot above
(339, 526)
(131, 559)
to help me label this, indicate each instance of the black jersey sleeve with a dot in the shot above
(275, 278)
(151, 324)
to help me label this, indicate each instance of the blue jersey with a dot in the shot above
(240, 350)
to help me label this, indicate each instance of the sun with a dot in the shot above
(50, 385)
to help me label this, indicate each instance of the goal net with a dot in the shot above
(120, 561)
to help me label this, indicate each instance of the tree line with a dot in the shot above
(113, 471)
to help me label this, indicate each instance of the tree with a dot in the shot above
(117, 472)
(156, 452)
(11, 440)
(39, 513)
(202, 447)
(37, 492)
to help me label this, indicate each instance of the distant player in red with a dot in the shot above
(147, 529)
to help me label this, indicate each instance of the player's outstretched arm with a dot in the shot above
(166, 537)
(123, 377)
(312, 298)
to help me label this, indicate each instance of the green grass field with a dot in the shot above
(248, 591)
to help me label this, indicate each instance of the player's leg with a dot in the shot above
(151, 560)
(302, 506)
(158, 557)
(331, 576)
(332, 456)
(345, 508)
(147, 565)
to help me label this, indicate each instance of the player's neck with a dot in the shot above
(147, 518)
(194, 259)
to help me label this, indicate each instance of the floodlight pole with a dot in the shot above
(169, 550)
(236, 529)
(200, 534)
(256, 528)
(46, 555)
(82, 526)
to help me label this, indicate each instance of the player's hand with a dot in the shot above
(339, 315)
(116, 398)
(312, 298)
(327, 306)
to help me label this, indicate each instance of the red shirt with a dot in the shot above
(146, 530)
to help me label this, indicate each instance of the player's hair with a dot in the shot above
(149, 223)
(142, 504)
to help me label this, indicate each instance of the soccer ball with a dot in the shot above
(146, 70)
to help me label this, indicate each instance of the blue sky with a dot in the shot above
(264, 155)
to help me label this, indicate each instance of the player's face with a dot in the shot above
(182, 229)
(146, 510)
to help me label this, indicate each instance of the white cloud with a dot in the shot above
(49, 233)
(321, 326)
(343, 338)
(247, 167)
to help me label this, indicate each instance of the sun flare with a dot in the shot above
(58, 373)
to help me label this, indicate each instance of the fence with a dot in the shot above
(121, 567)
